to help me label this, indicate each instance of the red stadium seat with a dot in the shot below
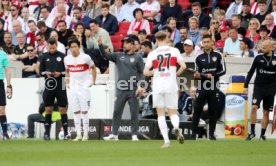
(185, 4)
(117, 42)
(123, 28)
(151, 26)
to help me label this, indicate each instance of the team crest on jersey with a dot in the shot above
(274, 62)
(132, 60)
(254, 101)
(214, 59)
(58, 59)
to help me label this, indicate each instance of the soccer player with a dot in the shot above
(4, 70)
(52, 68)
(264, 86)
(210, 66)
(78, 78)
(164, 61)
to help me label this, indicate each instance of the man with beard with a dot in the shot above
(64, 34)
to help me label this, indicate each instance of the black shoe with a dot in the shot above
(212, 138)
(67, 137)
(262, 138)
(250, 137)
(30, 137)
(46, 137)
(6, 137)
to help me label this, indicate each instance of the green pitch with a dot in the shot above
(143, 153)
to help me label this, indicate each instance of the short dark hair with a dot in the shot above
(30, 45)
(78, 8)
(207, 36)
(147, 44)
(52, 41)
(183, 28)
(41, 24)
(79, 24)
(45, 7)
(167, 28)
(13, 5)
(31, 21)
(105, 5)
(233, 28)
(93, 21)
(73, 40)
(62, 21)
(40, 34)
(236, 15)
(136, 10)
(261, 1)
(7, 33)
(194, 4)
(170, 19)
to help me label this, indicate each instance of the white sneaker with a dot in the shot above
(78, 138)
(85, 137)
(165, 145)
(134, 138)
(111, 137)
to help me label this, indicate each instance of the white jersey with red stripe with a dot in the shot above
(79, 69)
(164, 62)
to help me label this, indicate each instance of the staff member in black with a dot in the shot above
(209, 67)
(130, 71)
(264, 86)
(53, 69)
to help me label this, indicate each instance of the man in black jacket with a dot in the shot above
(209, 67)
(107, 21)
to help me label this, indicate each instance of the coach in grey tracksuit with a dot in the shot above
(130, 68)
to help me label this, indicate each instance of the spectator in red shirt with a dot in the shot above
(224, 35)
(251, 33)
(31, 38)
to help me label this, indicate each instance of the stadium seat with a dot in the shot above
(123, 28)
(117, 42)
(151, 26)
(185, 4)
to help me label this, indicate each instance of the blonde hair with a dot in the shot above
(256, 21)
(221, 12)
(194, 18)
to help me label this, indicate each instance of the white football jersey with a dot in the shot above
(164, 62)
(79, 69)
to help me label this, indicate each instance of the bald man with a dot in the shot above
(264, 86)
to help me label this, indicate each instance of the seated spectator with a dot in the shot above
(13, 16)
(245, 46)
(234, 8)
(31, 38)
(214, 29)
(16, 29)
(168, 31)
(40, 118)
(251, 33)
(236, 23)
(79, 17)
(38, 10)
(142, 35)
(232, 43)
(96, 33)
(151, 10)
(4, 9)
(23, 4)
(186, 104)
(274, 10)
(262, 6)
(8, 47)
(30, 63)
(64, 34)
(183, 36)
(139, 23)
(269, 22)
(221, 17)
(20, 49)
(46, 17)
(188, 49)
(107, 20)
(175, 37)
(60, 46)
(40, 43)
(54, 11)
(203, 20)
(26, 18)
(223, 36)
(146, 48)
(263, 32)
(44, 29)
(127, 9)
(115, 9)
(171, 9)
(61, 15)
(92, 8)
(193, 32)
(245, 14)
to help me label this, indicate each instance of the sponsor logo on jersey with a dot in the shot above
(254, 101)
(132, 60)
(78, 67)
(58, 59)
(214, 59)
(48, 60)
(274, 62)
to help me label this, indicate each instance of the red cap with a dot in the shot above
(223, 28)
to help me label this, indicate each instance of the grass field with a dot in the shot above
(142, 153)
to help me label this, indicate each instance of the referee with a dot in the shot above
(209, 67)
(4, 70)
(53, 70)
(264, 86)
(130, 71)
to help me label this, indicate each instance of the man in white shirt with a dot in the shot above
(45, 16)
(151, 10)
(60, 46)
(13, 16)
(25, 13)
(127, 10)
(164, 61)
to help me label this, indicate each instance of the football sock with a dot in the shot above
(48, 122)
(3, 120)
(77, 121)
(252, 128)
(263, 132)
(64, 121)
(175, 121)
(163, 128)
(85, 122)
